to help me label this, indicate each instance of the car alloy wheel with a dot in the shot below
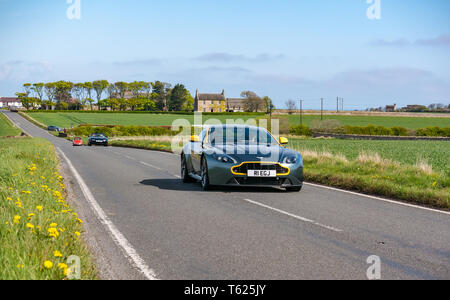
(184, 171)
(205, 176)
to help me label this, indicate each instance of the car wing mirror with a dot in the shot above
(284, 141)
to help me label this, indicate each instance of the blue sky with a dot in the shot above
(283, 49)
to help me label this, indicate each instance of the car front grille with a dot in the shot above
(243, 168)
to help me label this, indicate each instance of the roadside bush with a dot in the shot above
(434, 132)
(300, 130)
(327, 126)
(112, 131)
(401, 131)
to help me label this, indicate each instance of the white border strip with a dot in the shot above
(116, 235)
(378, 198)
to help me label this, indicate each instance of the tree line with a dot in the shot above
(137, 95)
(121, 96)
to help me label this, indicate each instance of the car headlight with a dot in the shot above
(290, 160)
(224, 158)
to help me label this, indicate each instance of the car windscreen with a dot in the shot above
(97, 135)
(240, 136)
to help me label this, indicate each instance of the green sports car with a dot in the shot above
(240, 155)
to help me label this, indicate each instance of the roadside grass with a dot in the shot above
(6, 128)
(371, 174)
(435, 153)
(66, 120)
(39, 231)
(147, 144)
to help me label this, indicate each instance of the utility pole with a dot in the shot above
(301, 112)
(321, 109)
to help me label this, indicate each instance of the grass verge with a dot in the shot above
(38, 229)
(6, 128)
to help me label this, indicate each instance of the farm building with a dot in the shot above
(210, 102)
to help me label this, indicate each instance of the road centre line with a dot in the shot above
(294, 216)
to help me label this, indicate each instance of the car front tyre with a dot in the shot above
(184, 171)
(205, 175)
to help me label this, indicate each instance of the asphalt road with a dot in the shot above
(181, 232)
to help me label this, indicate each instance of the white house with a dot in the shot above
(10, 102)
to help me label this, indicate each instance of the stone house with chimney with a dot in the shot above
(210, 102)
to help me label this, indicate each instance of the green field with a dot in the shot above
(436, 153)
(39, 231)
(6, 128)
(66, 120)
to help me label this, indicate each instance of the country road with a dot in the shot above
(180, 232)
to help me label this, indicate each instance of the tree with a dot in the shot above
(121, 88)
(79, 92)
(189, 103)
(291, 106)
(27, 89)
(88, 87)
(139, 89)
(269, 105)
(27, 102)
(160, 94)
(100, 86)
(178, 98)
(63, 91)
(50, 90)
(253, 102)
(38, 89)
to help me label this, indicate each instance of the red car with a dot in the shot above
(77, 141)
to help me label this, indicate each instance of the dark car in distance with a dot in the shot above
(54, 128)
(98, 139)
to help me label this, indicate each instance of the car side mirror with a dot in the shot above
(284, 141)
(195, 139)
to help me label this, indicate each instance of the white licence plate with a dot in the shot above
(262, 173)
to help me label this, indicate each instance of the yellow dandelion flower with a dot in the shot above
(39, 207)
(77, 233)
(53, 225)
(16, 219)
(31, 215)
(9, 199)
(48, 264)
(62, 266)
(56, 253)
(29, 225)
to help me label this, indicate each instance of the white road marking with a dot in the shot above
(129, 157)
(149, 165)
(177, 176)
(379, 198)
(293, 216)
(116, 235)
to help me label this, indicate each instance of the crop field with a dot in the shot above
(67, 120)
(6, 128)
(436, 153)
